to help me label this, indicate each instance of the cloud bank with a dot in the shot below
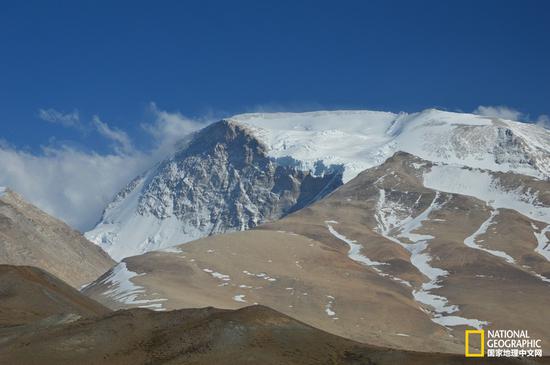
(71, 185)
(76, 185)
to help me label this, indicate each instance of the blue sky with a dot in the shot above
(215, 58)
(85, 83)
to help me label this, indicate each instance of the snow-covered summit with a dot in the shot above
(362, 139)
(355, 139)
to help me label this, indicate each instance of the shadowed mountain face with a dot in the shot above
(386, 259)
(29, 236)
(29, 294)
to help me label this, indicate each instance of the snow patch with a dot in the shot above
(450, 321)
(217, 275)
(261, 275)
(123, 290)
(328, 307)
(239, 298)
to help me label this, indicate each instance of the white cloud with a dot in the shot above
(120, 138)
(76, 185)
(500, 111)
(65, 119)
(170, 128)
(504, 112)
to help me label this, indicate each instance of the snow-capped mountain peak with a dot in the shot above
(252, 168)
(222, 180)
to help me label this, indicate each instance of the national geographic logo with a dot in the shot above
(501, 343)
(474, 334)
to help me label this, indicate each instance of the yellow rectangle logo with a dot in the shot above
(481, 334)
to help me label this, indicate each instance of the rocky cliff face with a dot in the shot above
(221, 181)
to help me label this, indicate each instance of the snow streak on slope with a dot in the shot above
(471, 240)
(390, 219)
(355, 254)
(486, 187)
(543, 247)
(123, 290)
(355, 249)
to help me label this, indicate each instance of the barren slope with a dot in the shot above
(28, 236)
(29, 294)
(298, 276)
